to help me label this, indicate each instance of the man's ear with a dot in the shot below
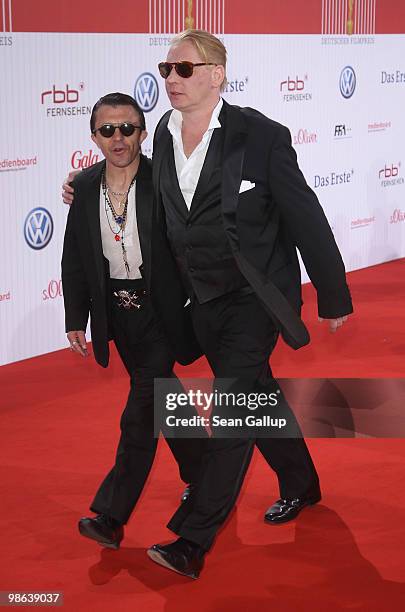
(143, 136)
(218, 75)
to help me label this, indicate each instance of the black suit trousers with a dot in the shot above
(238, 337)
(146, 354)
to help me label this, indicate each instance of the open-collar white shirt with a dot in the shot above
(188, 169)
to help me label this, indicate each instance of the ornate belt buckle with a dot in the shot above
(127, 300)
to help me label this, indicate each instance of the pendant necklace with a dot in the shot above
(120, 219)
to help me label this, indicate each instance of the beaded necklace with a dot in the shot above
(120, 220)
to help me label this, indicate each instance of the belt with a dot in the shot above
(128, 295)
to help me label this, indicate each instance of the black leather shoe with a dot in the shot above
(103, 529)
(180, 556)
(186, 493)
(284, 510)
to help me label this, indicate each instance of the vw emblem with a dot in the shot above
(347, 82)
(146, 91)
(38, 228)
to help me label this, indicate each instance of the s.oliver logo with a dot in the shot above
(304, 136)
(53, 290)
(398, 216)
(81, 160)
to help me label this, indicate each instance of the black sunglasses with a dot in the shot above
(183, 69)
(108, 129)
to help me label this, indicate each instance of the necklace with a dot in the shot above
(116, 193)
(119, 204)
(120, 219)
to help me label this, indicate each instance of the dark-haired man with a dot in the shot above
(105, 271)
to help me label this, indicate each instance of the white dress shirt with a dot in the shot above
(189, 168)
(112, 248)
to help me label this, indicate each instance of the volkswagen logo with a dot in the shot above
(146, 91)
(347, 82)
(38, 228)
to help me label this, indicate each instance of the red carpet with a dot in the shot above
(59, 423)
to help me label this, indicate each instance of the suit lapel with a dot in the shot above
(273, 299)
(210, 161)
(170, 167)
(144, 210)
(232, 166)
(161, 142)
(92, 204)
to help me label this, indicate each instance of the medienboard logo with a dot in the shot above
(146, 91)
(347, 82)
(362, 222)
(38, 228)
(294, 89)
(5, 297)
(378, 126)
(19, 163)
(63, 101)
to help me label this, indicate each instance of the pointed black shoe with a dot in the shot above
(103, 529)
(284, 510)
(180, 556)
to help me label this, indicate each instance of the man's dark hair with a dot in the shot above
(116, 99)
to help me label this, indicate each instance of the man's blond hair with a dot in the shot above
(209, 47)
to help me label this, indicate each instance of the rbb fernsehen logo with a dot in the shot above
(38, 228)
(146, 91)
(347, 82)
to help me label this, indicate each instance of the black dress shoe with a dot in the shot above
(105, 530)
(186, 493)
(284, 510)
(181, 556)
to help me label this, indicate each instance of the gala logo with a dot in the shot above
(79, 160)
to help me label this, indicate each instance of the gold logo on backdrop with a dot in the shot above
(189, 21)
(350, 18)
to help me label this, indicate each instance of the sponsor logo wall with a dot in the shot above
(342, 101)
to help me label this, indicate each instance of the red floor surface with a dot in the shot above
(59, 423)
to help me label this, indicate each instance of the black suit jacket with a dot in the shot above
(85, 270)
(266, 224)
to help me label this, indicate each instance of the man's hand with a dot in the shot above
(77, 340)
(67, 190)
(334, 324)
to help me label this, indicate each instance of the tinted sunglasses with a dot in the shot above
(183, 69)
(108, 129)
